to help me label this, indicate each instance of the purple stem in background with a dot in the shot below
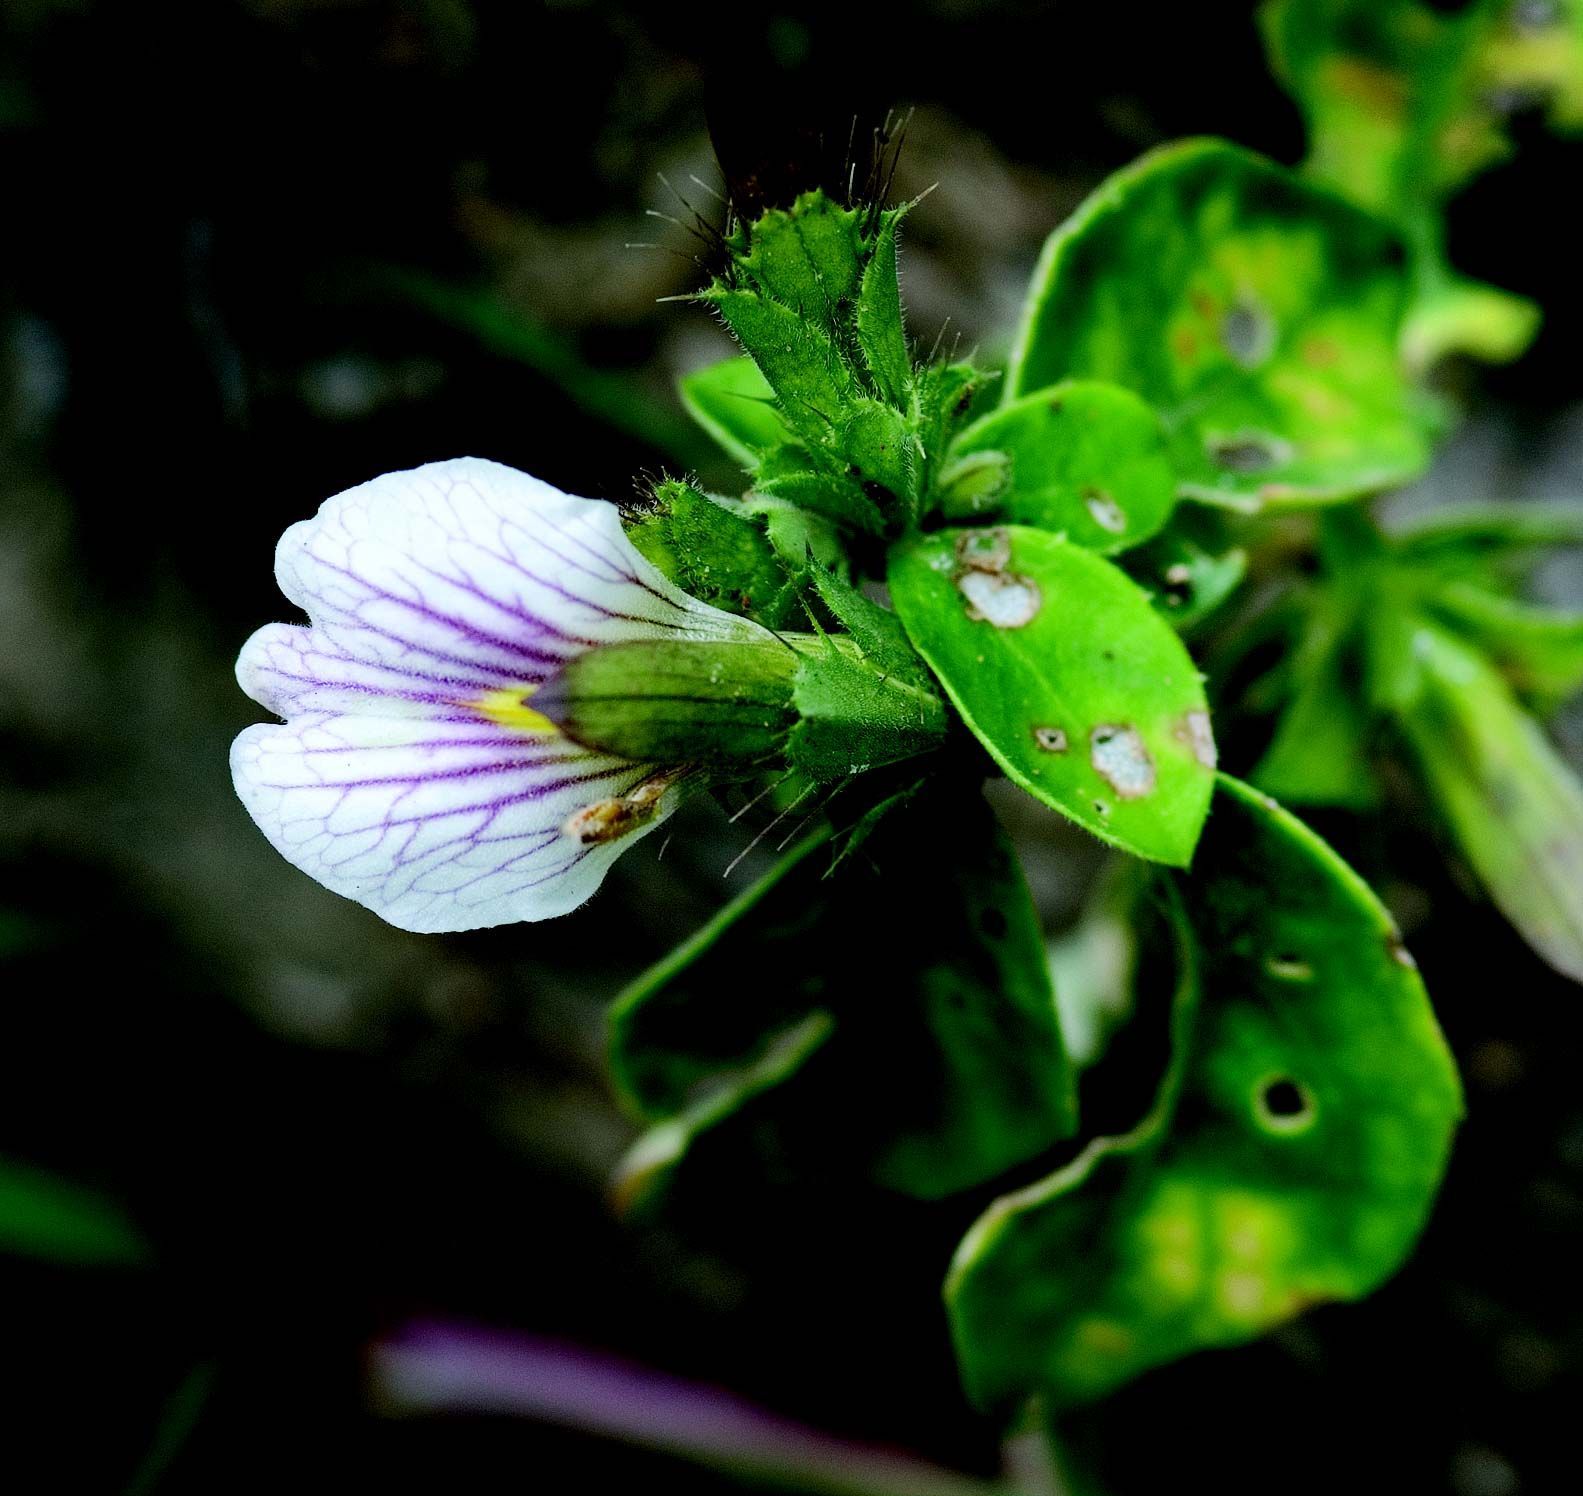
(435, 1367)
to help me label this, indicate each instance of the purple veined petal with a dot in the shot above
(429, 587)
(439, 825)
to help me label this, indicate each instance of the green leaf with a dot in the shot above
(1258, 314)
(1485, 530)
(1514, 806)
(1539, 650)
(1404, 100)
(43, 1215)
(944, 1067)
(734, 403)
(646, 1167)
(1319, 755)
(1457, 315)
(1089, 460)
(1291, 1157)
(1080, 691)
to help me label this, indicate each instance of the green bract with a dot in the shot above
(1291, 1157)
(1079, 690)
(1261, 317)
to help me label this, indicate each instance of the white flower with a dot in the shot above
(412, 773)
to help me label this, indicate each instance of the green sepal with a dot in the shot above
(835, 496)
(809, 257)
(716, 550)
(1261, 317)
(796, 357)
(944, 1065)
(881, 332)
(876, 631)
(1074, 684)
(1089, 460)
(948, 396)
(735, 404)
(726, 705)
(1291, 1158)
(877, 443)
(1514, 806)
(796, 535)
(892, 697)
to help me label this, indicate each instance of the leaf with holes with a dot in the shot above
(1291, 1156)
(1258, 314)
(734, 403)
(943, 1066)
(1512, 802)
(1087, 459)
(1078, 688)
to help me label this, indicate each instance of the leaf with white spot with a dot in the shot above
(1077, 687)
(1087, 459)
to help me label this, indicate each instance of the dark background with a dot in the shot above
(258, 252)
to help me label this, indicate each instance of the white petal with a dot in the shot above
(428, 589)
(437, 825)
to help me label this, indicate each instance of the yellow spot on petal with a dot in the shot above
(509, 707)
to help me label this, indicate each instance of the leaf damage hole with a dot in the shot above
(1121, 760)
(1105, 511)
(1286, 967)
(1051, 739)
(1283, 1104)
(1247, 452)
(1247, 333)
